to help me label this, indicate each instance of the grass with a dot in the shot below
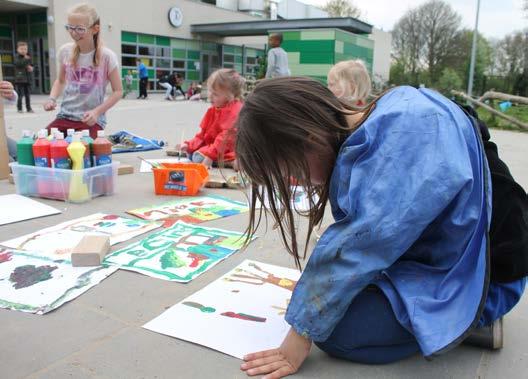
(520, 112)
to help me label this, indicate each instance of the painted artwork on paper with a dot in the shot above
(179, 253)
(36, 284)
(193, 210)
(240, 313)
(57, 241)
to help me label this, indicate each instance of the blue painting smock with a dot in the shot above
(411, 196)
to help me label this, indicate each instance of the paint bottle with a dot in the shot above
(78, 191)
(69, 135)
(102, 150)
(41, 150)
(88, 143)
(25, 149)
(59, 153)
(51, 136)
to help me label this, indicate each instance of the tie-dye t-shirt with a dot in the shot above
(85, 84)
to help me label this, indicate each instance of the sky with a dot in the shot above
(497, 17)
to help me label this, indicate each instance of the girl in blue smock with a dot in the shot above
(404, 268)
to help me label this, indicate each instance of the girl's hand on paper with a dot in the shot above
(281, 362)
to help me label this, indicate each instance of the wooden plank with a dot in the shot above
(4, 153)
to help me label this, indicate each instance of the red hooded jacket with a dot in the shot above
(217, 132)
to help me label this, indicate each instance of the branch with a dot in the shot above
(504, 96)
(513, 120)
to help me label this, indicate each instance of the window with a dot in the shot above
(163, 51)
(178, 64)
(229, 58)
(251, 60)
(165, 63)
(128, 49)
(128, 61)
(146, 50)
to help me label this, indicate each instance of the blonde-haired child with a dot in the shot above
(86, 67)
(216, 139)
(350, 81)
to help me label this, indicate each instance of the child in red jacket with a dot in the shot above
(216, 139)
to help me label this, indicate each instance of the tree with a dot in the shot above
(459, 58)
(449, 80)
(422, 38)
(342, 8)
(440, 24)
(408, 43)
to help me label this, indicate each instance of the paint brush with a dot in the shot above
(181, 143)
(153, 164)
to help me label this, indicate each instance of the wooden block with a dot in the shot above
(90, 251)
(125, 169)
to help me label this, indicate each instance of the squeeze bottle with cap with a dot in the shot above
(88, 143)
(102, 149)
(41, 150)
(51, 136)
(25, 149)
(78, 189)
(59, 153)
(69, 135)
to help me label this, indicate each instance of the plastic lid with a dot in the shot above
(76, 137)
(59, 135)
(53, 130)
(70, 132)
(100, 133)
(26, 133)
(86, 133)
(42, 133)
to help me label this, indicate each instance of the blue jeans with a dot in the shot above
(12, 149)
(369, 332)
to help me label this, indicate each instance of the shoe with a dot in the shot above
(20, 111)
(30, 111)
(489, 337)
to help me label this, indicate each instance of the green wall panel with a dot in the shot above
(177, 53)
(146, 38)
(293, 35)
(163, 41)
(310, 57)
(193, 54)
(317, 34)
(128, 37)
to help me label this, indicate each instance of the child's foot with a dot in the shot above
(489, 337)
(30, 111)
(20, 111)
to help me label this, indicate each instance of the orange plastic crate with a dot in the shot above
(182, 179)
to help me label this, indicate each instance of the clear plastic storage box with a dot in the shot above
(76, 186)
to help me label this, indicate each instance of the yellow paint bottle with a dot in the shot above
(78, 189)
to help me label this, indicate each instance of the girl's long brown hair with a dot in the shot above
(281, 120)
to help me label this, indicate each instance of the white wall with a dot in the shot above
(382, 58)
(293, 9)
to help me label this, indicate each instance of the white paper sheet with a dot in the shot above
(145, 167)
(15, 208)
(300, 201)
(57, 241)
(34, 284)
(258, 293)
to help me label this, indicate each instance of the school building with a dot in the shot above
(193, 38)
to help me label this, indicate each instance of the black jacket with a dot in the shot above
(21, 72)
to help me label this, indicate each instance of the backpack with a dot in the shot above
(509, 220)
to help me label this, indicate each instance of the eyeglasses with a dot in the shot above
(76, 29)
